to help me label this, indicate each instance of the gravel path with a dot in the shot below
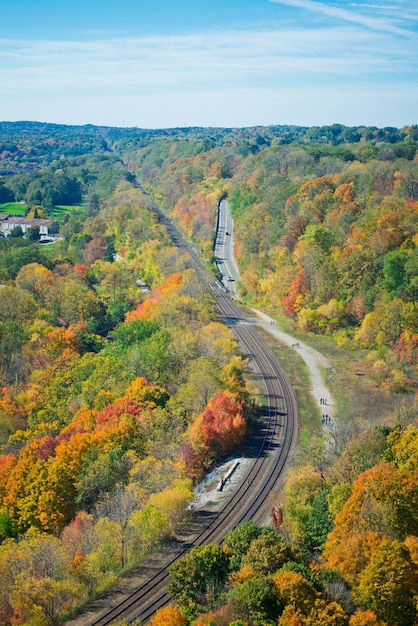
(315, 362)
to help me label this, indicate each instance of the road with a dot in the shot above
(224, 248)
(273, 440)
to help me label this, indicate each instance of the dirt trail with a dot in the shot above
(313, 359)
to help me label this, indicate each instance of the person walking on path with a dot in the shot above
(314, 360)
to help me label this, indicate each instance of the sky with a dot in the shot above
(223, 63)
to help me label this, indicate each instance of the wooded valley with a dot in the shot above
(120, 388)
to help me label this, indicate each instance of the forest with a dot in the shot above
(120, 389)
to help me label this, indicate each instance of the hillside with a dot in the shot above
(325, 222)
(119, 388)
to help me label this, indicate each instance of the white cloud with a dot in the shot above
(374, 23)
(232, 56)
(219, 77)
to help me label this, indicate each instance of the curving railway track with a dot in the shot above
(273, 441)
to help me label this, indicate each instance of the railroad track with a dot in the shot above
(276, 435)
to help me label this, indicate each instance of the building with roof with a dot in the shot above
(9, 222)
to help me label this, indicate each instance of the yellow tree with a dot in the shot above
(25, 481)
(146, 529)
(326, 614)
(322, 614)
(106, 557)
(302, 485)
(365, 618)
(17, 305)
(36, 279)
(168, 616)
(43, 601)
(389, 584)
(34, 579)
(353, 554)
(173, 503)
(295, 590)
(383, 500)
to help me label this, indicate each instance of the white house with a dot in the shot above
(9, 222)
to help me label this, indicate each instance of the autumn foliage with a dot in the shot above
(87, 431)
(219, 429)
(120, 388)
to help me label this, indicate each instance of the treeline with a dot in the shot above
(25, 146)
(29, 146)
(253, 139)
(326, 230)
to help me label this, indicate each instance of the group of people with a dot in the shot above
(326, 419)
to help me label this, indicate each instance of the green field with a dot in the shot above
(16, 208)
(61, 210)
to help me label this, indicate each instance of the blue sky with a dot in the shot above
(161, 63)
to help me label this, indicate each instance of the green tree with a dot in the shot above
(319, 523)
(16, 232)
(32, 234)
(361, 452)
(203, 382)
(101, 475)
(268, 553)
(18, 256)
(106, 558)
(78, 302)
(12, 364)
(260, 600)
(147, 529)
(17, 305)
(5, 194)
(238, 540)
(389, 583)
(394, 270)
(198, 578)
(302, 486)
(117, 282)
(133, 332)
(149, 358)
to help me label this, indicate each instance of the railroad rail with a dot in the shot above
(274, 440)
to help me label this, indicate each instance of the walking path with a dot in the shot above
(313, 359)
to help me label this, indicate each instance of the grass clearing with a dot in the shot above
(61, 210)
(349, 378)
(51, 251)
(14, 208)
(360, 402)
(296, 370)
(58, 212)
